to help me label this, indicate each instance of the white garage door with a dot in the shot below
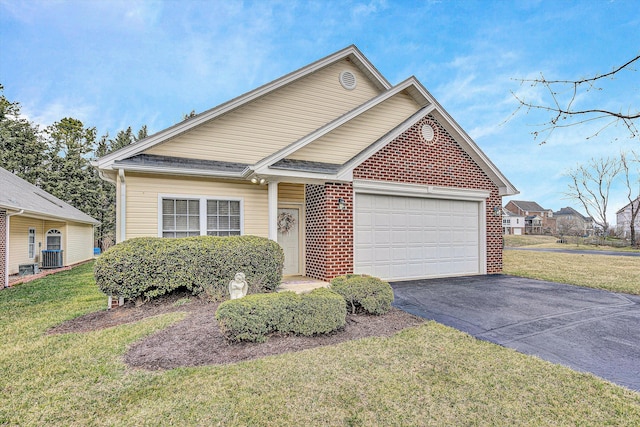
(408, 237)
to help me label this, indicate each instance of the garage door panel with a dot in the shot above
(408, 237)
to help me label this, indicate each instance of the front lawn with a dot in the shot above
(426, 375)
(612, 273)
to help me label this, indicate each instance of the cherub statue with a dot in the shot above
(238, 286)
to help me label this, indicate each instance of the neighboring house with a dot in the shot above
(347, 172)
(571, 222)
(623, 219)
(512, 223)
(38, 228)
(538, 220)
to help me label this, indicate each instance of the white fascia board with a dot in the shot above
(263, 164)
(299, 177)
(44, 216)
(417, 190)
(181, 171)
(347, 170)
(106, 162)
(506, 188)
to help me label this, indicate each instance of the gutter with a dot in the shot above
(6, 252)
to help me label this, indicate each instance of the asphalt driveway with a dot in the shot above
(586, 329)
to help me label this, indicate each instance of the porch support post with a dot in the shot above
(123, 207)
(273, 210)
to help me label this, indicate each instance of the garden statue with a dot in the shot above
(238, 286)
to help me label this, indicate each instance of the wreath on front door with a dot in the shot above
(286, 221)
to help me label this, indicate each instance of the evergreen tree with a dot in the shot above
(70, 176)
(21, 146)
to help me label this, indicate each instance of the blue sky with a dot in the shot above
(114, 64)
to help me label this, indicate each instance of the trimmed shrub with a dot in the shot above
(152, 266)
(254, 317)
(364, 293)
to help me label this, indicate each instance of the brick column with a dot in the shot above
(329, 230)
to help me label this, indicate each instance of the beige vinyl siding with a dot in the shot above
(290, 193)
(143, 192)
(79, 243)
(19, 241)
(343, 143)
(270, 123)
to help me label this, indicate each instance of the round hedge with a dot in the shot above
(254, 317)
(364, 293)
(152, 266)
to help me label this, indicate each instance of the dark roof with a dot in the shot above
(306, 166)
(570, 211)
(18, 194)
(152, 160)
(507, 212)
(528, 206)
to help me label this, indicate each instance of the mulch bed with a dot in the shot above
(197, 341)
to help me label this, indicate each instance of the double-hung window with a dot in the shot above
(32, 243)
(183, 217)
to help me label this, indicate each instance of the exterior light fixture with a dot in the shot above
(342, 205)
(496, 211)
(258, 180)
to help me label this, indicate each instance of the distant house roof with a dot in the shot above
(570, 211)
(18, 194)
(507, 212)
(528, 206)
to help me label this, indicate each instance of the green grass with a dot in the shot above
(613, 273)
(428, 375)
(573, 243)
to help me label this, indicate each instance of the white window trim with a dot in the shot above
(203, 209)
(31, 246)
(53, 232)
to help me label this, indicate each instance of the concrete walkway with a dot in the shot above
(589, 330)
(300, 284)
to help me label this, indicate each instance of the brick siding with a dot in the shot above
(329, 230)
(407, 159)
(442, 162)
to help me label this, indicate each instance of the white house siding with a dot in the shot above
(143, 192)
(623, 221)
(270, 123)
(343, 143)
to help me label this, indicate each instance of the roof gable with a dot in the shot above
(369, 82)
(18, 194)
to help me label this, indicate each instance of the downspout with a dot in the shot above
(123, 206)
(6, 251)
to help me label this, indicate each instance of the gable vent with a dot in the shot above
(348, 80)
(428, 133)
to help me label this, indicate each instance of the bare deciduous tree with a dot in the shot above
(562, 95)
(627, 164)
(590, 185)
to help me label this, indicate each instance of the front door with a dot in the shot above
(289, 239)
